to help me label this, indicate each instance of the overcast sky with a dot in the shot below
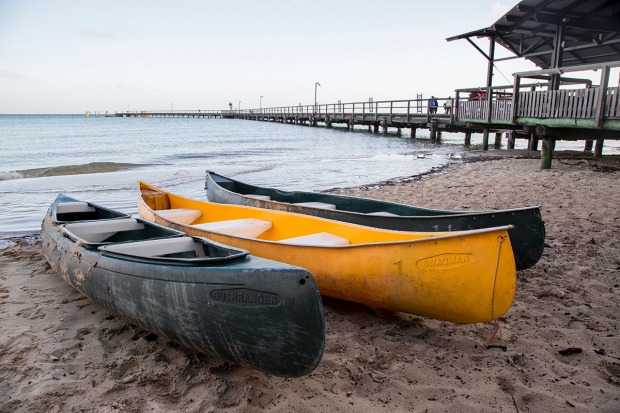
(74, 56)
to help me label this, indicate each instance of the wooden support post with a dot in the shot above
(588, 146)
(511, 137)
(433, 131)
(376, 128)
(498, 140)
(467, 138)
(384, 124)
(485, 140)
(369, 128)
(546, 154)
(398, 131)
(413, 131)
(601, 97)
(533, 143)
(438, 136)
(598, 149)
(351, 125)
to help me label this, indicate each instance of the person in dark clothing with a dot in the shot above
(432, 105)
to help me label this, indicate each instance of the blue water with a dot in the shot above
(100, 159)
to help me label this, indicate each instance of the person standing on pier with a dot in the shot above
(432, 105)
(447, 106)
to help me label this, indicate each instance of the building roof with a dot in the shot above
(591, 31)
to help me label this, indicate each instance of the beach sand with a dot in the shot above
(59, 352)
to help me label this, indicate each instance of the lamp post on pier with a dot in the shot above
(315, 86)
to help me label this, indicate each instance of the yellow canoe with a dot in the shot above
(465, 277)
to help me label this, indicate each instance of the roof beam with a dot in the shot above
(612, 25)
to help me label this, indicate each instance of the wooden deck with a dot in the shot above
(571, 104)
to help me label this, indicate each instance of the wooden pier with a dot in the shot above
(169, 114)
(410, 114)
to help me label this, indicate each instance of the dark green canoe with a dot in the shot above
(206, 296)
(527, 235)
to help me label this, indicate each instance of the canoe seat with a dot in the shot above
(98, 231)
(248, 227)
(155, 248)
(181, 215)
(383, 214)
(73, 207)
(318, 239)
(261, 197)
(321, 205)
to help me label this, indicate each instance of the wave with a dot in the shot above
(89, 168)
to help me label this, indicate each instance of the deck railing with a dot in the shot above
(563, 103)
(508, 103)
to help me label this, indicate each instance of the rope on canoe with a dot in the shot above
(501, 240)
(495, 327)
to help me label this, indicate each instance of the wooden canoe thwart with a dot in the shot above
(465, 277)
(201, 294)
(527, 234)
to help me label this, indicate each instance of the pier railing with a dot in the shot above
(500, 104)
(563, 103)
(169, 113)
(407, 108)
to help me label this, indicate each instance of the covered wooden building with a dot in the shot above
(561, 37)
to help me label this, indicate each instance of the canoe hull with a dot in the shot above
(466, 278)
(255, 312)
(527, 236)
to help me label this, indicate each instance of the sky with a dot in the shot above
(66, 57)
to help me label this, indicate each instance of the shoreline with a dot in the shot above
(607, 162)
(557, 349)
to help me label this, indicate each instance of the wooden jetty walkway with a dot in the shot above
(410, 114)
(169, 114)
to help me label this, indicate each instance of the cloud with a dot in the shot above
(498, 10)
(126, 87)
(5, 74)
(96, 34)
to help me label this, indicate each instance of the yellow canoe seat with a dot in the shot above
(318, 239)
(180, 215)
(249, 227)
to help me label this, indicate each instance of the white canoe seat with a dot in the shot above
(321, 205)
(73, 207)
(181, 215)
(154, 248)
(248, 227)
(319, 239)
(261, 197)
(98, 231)
(383, 214)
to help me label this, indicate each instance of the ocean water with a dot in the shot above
(100, 159)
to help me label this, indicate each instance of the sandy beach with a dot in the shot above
(557, 349)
